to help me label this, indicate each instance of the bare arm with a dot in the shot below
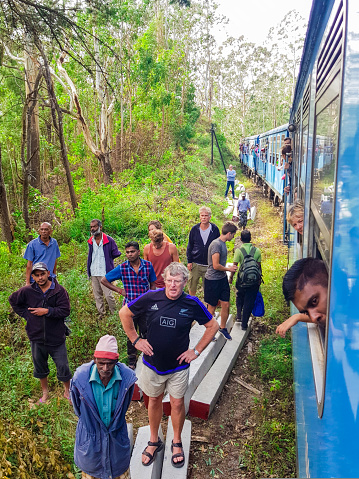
(290, 322)
(211, 329)
(146, 251)
(232, 274)
(111, 286)
(174, 253)
(28, 272)
(55, 267)
(219, 267)
(153, 285)
(126, 317)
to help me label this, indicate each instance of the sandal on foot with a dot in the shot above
(159, 445)
(179, 454)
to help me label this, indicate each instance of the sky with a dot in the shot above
(254, 18)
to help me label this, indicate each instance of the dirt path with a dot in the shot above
(218, 444)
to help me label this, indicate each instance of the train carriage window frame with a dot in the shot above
(327, 103)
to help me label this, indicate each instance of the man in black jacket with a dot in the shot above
(45, 305)
(201, 236)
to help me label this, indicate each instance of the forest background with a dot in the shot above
(105, 111)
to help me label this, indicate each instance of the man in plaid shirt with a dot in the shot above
(137, 276)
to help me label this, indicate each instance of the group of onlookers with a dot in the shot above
(156, 315)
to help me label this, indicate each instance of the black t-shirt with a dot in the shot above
(168, 326)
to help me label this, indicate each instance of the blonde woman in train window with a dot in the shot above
(295, 216)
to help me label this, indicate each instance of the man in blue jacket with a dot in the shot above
(102, 251)
(201, 236)
(101, 392)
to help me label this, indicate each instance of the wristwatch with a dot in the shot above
(135, 341)
(196, 352)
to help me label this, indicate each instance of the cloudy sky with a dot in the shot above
(253, 18)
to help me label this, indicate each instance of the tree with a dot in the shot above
(6, 226)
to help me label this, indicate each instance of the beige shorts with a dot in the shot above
(197, 271)
(125, 475)
(153, 384)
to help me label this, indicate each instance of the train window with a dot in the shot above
(303, 157)
(324, 166)
(278, 151)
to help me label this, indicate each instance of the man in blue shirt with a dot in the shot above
(137, 276)
(101, 392)
(231, 176)
(43, 249)
(243, 206)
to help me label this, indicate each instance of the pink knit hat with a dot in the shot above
(107, 348)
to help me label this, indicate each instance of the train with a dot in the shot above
(324, 130)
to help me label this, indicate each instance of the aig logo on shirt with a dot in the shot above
(168, 322)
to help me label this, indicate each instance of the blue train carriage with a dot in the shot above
(265, 164)
(325, 173)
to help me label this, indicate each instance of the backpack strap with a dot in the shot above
(252, 251)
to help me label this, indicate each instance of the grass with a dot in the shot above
(271, 450)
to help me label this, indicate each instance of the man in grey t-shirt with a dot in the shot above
(216, 286)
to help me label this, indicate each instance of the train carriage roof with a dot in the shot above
(318, 20)
(279, 129)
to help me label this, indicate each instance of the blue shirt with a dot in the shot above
(133, 283)
(37, 251)
(243, 205)
(105, 397)
(231, 175)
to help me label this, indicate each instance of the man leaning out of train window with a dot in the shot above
(306, 285)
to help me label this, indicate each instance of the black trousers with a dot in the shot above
(245, 301)
(141, 327)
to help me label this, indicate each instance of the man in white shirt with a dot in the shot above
(102, 251)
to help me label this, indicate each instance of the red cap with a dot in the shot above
(106, 348)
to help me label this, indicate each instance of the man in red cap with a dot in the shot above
(101, 392)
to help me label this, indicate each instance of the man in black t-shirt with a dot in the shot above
(169, 315)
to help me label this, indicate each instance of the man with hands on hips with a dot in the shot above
(169, 315)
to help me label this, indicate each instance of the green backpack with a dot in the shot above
(250, 272)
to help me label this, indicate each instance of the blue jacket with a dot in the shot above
(100, 451)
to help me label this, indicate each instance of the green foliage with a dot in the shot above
(274, 359)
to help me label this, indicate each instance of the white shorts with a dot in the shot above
(153, 384)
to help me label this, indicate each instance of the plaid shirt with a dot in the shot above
(134, 284)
